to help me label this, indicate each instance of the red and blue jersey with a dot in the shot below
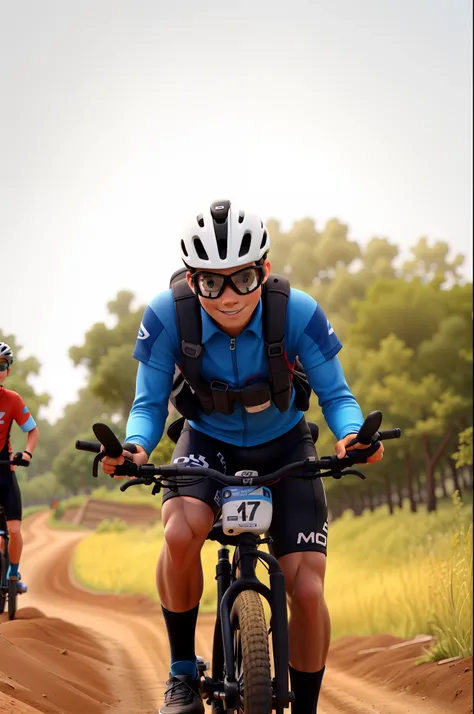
(12, 408)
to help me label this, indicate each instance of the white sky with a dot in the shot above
(119, 120)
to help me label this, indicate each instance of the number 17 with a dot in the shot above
(253, 505)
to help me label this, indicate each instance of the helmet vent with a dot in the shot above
(183, 248)
(222, 247)
(245, 245)
(200, 220)
(199, 248)
(241, 216)
(220, 211)
(264, 240)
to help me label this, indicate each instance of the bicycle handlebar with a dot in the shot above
(311, 466)
(175, 475)
(13, 462)
(93, 446)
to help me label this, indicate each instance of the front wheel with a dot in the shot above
(252, 658)
(12, 595)
(3, 589)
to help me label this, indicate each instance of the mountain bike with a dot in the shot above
(244, 677)
(8, 588)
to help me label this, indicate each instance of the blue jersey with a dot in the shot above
(240, 362)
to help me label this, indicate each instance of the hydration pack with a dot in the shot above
(191, 395)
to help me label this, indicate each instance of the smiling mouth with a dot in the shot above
(231, 312)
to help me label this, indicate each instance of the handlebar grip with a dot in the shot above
(134, 482)
(21, 462)
(390, 434)
(12, 462)
(92, 446)
(128, 468)
(130, 447)
(360, 456)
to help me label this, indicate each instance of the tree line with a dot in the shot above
(406, 328)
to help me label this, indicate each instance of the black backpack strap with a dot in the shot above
(179, 274)
(188, 315)
(275, 294)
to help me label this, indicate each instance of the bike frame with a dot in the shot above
(231, 581)
(5, 537)
(234, 579)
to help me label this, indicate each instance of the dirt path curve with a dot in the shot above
(132, 631)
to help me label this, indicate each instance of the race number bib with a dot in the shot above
(246, 509)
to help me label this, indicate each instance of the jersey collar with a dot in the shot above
(211, 328)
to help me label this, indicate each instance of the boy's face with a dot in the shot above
(4, 372)
(232, 311)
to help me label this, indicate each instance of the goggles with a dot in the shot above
(243, 282)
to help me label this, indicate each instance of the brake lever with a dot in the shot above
(18, 459)
(128, 468)
(95, 464)
(355, 472)
(127, 463)
(359, 456)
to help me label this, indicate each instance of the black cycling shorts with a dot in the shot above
(10, 496)
(300, 514)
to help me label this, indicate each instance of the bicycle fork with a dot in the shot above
(223, 646)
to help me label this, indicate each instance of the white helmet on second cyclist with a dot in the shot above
(224, 236)
(6, 352)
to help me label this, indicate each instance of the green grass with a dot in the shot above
(59, 525)
(29, 510)
(72, 502)
(138, 495)
(406, 574)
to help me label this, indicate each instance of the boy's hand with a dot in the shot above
(341, 448)
(109, 464)
(26, 456)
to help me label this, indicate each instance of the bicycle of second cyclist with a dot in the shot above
(244, 677)
(8, 588)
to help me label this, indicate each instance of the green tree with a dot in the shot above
(107, 354)
(410, 310)
(42, 489)
(431, 263)
(378, 259)
(463, 456)
(334, 249)
(21, 372)
(73, 468)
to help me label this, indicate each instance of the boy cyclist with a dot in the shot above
(12, 408)
(225, 250)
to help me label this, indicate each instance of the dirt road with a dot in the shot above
(125, 647)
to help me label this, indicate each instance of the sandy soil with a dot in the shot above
(77, 652)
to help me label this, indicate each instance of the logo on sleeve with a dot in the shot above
(330, 329)
(2, 414)
(143, 332)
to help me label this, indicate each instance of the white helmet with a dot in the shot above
(6, 352)
(224, 237)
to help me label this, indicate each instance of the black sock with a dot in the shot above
(181, 628)
(306, 687)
